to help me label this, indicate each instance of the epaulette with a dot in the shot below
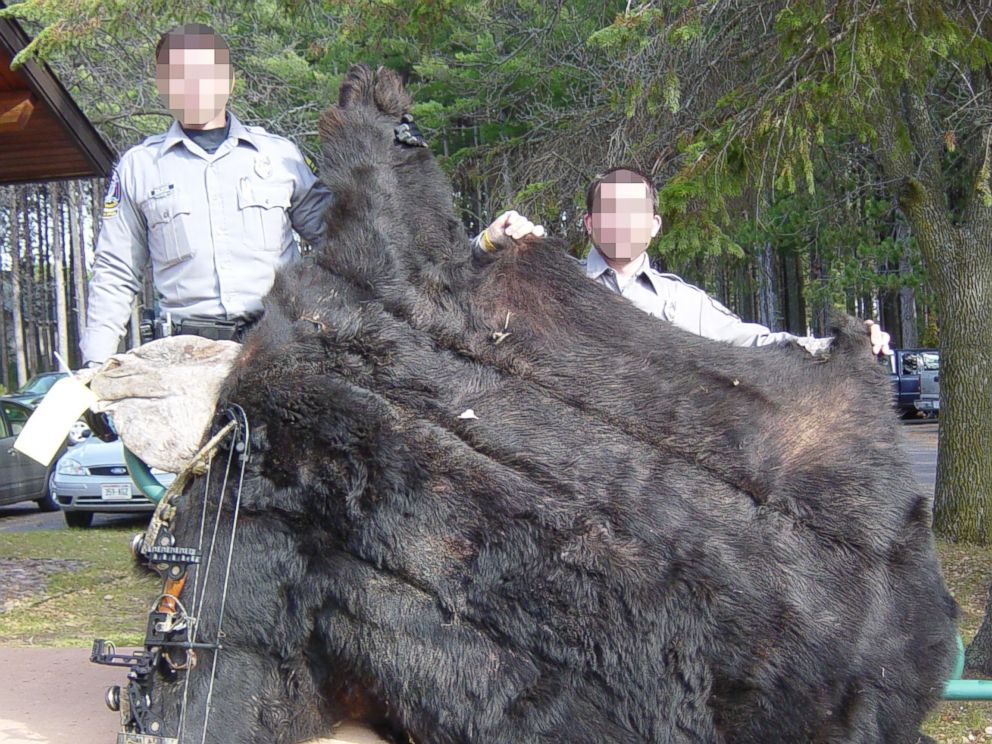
(677, 278)
(260, 130)
(683, 282)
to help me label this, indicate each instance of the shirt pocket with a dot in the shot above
(264, 208)
(169, 228)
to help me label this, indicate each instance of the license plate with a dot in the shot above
(124, 738)
(116, 492)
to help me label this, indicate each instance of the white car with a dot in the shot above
(91, 477)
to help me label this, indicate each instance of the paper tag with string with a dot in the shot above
(46, 428)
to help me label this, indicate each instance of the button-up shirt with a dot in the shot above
(666, 296)
(215, 226)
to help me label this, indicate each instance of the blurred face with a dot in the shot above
(195, 84)
(623, 221)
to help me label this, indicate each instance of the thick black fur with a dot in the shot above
(645, 536)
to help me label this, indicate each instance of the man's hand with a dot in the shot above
(879, 338)
(512, 225)
(406, 133)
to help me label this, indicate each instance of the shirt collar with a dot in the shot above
(175, 135)
(596, 264)
(240, 131)
(656, 279)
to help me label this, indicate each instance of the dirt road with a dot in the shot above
(55, 696)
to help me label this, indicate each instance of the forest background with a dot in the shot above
(812, 155)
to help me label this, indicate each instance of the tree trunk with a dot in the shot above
(910, 338)
(78, 248)
(58, 272)
(30, 319)
(978, 656)
(44, 284)
(15, 293)
(98, 188)
(4, 353)
(819, 312)
(963, 495)
(795, 306)
(890, 315)
(907, 307)
(747, 289)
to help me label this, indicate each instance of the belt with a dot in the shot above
(215, 329)
(218, 330)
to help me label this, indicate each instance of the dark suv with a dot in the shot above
(915, 372)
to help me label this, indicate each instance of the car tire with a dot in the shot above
(48, 503)
(78, 519)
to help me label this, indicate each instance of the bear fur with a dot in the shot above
(640, 536)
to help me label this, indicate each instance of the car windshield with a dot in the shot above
(40, 384)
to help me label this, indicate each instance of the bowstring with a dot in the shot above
(246, 451)
(198, 599)
(194, 606)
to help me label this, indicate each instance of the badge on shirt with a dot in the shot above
(113, 198)
(263, 166)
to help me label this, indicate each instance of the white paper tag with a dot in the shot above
(51, 421)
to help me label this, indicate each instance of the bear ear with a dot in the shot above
(390, 96)
(356, 88)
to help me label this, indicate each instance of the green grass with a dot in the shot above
(107, 598)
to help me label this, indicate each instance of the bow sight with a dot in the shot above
(166, 635)
(169, 645)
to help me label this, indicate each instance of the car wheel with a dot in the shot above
(78, 519)
(48, 503)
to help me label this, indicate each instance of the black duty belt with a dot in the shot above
(215, 329)
(218, 330)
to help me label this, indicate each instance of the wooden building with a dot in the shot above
(44, 135)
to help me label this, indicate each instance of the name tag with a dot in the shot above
(158, 193)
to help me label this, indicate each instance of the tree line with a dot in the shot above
(46, 232)
(523, 104)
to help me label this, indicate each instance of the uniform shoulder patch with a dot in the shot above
(112, 200)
